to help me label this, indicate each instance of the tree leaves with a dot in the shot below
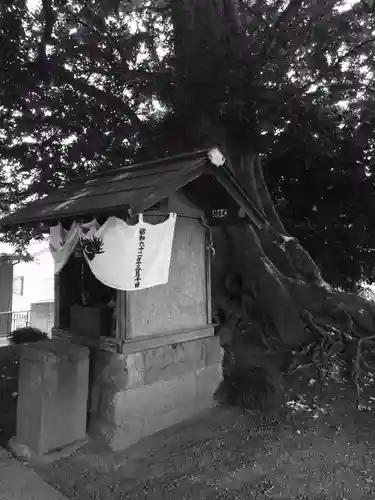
(130, 80)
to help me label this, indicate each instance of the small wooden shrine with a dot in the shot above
(154, 357)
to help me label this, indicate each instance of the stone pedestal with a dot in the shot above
(135, 395)
(52, 400)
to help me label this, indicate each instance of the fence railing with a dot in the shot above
(10, 320)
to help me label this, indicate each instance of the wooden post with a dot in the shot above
(57, 301)
(6, 295)
(121, 319)
(208, 285)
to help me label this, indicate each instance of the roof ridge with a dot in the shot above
(141, 165)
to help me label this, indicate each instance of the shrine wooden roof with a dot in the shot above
(203, 177)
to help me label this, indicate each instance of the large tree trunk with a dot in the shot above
(269, 296)
(271, 302)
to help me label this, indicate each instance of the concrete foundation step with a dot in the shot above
(18, 482)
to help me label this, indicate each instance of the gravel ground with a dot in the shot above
(325, 454)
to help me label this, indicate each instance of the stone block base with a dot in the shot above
(18, 482)
(52, 399)
(142, 411)
(136, 395)
(25, 454)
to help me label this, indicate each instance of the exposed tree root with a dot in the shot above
(274, 309)
(278, 314)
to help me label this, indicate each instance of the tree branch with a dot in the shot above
(247, 167)
(102, 97)
(265, 197)
(257, 15)
(287, 13)
(291, 9)
(359, 359)
(49, 21)
(340, 60)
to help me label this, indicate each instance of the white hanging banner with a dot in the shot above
(130, 257)
(62, 243)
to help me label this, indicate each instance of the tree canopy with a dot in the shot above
(87, 86)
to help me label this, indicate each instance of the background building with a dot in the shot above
(32, 290)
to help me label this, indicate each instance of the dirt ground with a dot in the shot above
(324, 453)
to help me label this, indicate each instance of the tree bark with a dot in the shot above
(271, 299)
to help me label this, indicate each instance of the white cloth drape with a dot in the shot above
(120, 256)
(62, 243)
(130, 257)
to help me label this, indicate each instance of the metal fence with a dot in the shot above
(10, 320)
